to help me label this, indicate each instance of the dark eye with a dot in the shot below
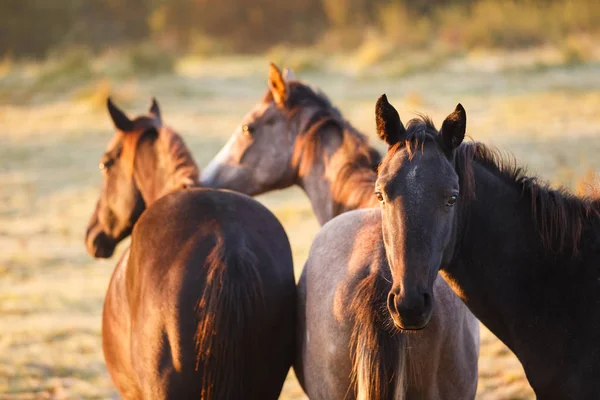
(379, 196)
(452, 200)
(247, 130)
(105, 164)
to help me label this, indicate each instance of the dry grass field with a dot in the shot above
(53, 131)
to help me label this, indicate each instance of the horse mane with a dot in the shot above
(231, 297)
(559, 215)
(327, 120)
(175, 162)
(181, 164)
(349, 189)
(379, 356)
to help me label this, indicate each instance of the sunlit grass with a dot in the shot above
(52, 291)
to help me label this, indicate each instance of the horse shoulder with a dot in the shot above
(340, 258)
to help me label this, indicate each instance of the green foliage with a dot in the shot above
(35, 27)
(513, 24)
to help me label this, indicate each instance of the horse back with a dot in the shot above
(211, 293)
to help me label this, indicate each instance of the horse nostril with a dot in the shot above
(392, 303)
(410, 310)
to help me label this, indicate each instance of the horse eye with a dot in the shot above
(452, 200)
(248, 130)
(105, 165)
(379, 196)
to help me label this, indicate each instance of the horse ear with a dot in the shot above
(154, 109)
(454, 127)
(389, 126)
(278, 86)
(121, 121)
(288, 75)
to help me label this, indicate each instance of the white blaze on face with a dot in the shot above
(412, 180)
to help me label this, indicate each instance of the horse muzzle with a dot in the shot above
(412, 311)
(99, 244)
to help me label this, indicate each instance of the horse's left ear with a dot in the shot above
(453, 128)
(154, 109)
(278, 86)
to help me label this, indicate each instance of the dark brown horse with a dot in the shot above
(347, 344)
(203, 303)
(525, 258)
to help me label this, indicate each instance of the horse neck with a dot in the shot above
(338, 179)
(510, 281)
(163, 165)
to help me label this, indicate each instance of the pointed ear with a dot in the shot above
(154, 109)
(389, 126)
(288, 75)
(278, 86)
(453, 128)
(121, 121)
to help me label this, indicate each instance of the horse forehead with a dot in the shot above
(417, 173)
(406, 164)
(413, 182)
(114, 142)
(260, 110)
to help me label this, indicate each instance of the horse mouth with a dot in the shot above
(99, 244)
(103, 252)
(410, 324)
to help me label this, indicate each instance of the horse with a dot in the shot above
(347, 345)
(295, 136)
(524, 257)
(202, 304)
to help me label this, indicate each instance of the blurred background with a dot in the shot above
(527, 72)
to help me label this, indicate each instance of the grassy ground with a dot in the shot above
(51, 291)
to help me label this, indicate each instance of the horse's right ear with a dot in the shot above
(288, 74)
(389, 126)
(278, 86)
(121, 121)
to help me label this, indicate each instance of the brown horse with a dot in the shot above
(347, 344)
(203, 304)
(525, 258)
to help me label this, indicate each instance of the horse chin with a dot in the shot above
(410, 324)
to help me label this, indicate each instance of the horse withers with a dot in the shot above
(524, 257)
(202, 305)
